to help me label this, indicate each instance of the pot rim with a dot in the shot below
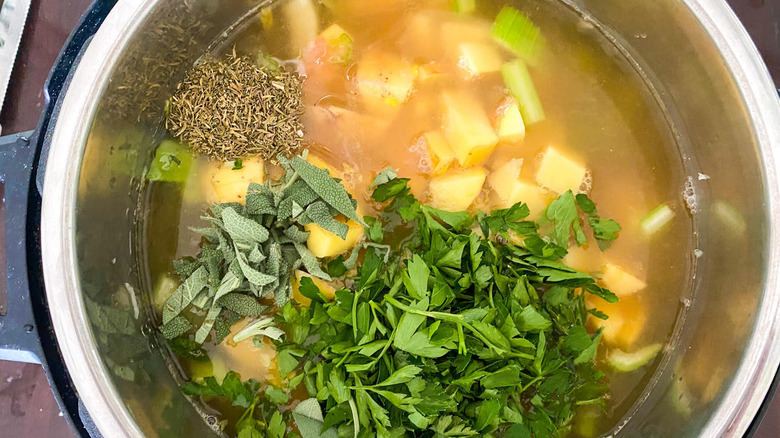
(112, 417)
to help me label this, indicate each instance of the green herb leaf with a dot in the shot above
(326, 187)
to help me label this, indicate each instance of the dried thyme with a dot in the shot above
(231, 108)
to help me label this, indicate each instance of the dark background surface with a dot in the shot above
(27, 408)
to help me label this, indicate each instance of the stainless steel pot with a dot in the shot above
(699, 60)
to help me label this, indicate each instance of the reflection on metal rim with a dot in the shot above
(58, 221)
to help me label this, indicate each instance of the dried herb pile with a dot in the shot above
(232, 108)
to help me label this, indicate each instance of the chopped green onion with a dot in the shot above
(517, 33)
(730, 216)
(171, 163)
(521, 87)
(624, 362)
(657, 219)
(463, 6)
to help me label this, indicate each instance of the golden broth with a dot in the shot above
(599, 112)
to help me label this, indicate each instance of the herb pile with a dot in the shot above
(451, 333)
(250, 251)
(232, 108)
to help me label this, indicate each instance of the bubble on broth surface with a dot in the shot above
(420, 147)
(587, 182)
(689, 195)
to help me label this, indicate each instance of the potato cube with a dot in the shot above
(627, 320)
(230, 185)
(468, 129)
(439, 151)
(333, 34)
(456, 191)
(327, 290)
(469, 30)
(510, 126)
(560, 173)
(584, 259)
(621, 282)
(430, 72)
(476, 59)
(384, 81)
(340, 42)
(509, 189)
(323, 243)
(503, 179)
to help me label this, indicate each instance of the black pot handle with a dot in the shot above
(19, 339)
(20, 156)
(26, 332)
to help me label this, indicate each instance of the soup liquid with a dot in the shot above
(599, 111)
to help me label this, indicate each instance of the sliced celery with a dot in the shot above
(681, 398)
(172, 162)
(624, 362)
(517, 33)
(521, 86)
(730, 216)
(463, 6)
(657, 219)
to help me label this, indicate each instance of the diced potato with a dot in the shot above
(439, 151)
(510, 126)
(509, 189)
(303, 24)
(503, 178)
(468, 129)
(456, 191)
(385, 81)
(621, 282)
(231, 185)
(468, 30)
(476, 59)
(627, 319)
(327, 290)
(323, 243)
(334, 33)
(583, 259)
(560, 173)
(430, 72)
(244, 357)
(340, 41)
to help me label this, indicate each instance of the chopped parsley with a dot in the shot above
(447, 332)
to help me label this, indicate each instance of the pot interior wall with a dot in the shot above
(713, 129)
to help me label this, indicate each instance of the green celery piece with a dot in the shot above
(656, 220)
(624, 362)
(518, 34)
(463, 6)
(521, 87)
(172, 162)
